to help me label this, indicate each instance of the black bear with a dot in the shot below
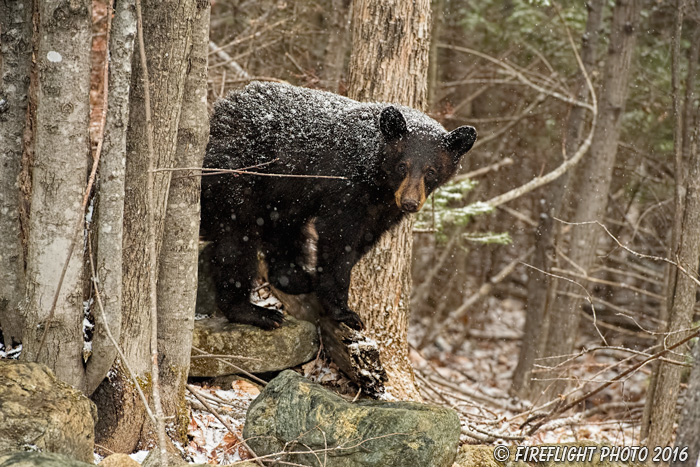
(381, 160)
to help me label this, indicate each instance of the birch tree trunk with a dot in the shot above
(177, 279)
(595, 174)
(15, 65)
(167, 29)
(389, 63)
(59, 170)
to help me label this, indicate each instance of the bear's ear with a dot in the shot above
(459, 141)
(392, 123)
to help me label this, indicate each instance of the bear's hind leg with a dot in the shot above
(236, 265)
(284, 254)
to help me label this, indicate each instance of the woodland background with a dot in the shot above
(583, 288)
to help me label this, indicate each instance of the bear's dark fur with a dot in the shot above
(390, 157)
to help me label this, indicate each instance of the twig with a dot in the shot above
(237, 368)
(636, 253)
(213, 171)
(484, 170)
(617, 378)
(568, 163)
(228, 60)
(228, 426)
(153, 259)
(517, 74)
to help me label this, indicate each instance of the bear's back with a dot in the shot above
(305, 130)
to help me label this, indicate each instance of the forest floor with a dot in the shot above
(474, 381)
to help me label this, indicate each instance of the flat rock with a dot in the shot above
(39, 412)
(293, 414)
(257, 351)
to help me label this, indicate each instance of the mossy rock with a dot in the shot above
(293, 416)
(39, 459)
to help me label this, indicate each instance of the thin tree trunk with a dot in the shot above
(542, 287)
(596, 176)
(167, 29)
(689, 429)
(338, 23)
(15, 65)
(177, 280)
(389, 63)
(61, 151)
(110, 202)
(438, 8)
(660, 410)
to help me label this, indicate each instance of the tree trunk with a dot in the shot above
(177, 279)
(110, 201)
(389, 63)
(541, 287)
(596, 174)
(438, 11)
(660, 410)
(15, 64)
(338, 21)
(167, 30)
(61, 152)
(689, 429)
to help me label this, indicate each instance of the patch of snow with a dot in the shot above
(139, 456)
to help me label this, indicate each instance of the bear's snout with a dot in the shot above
(410, 196)
(410, 205)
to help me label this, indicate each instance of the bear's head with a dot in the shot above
(417, 162)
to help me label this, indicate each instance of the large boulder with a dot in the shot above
(294, 415)
(293, 343)
(37, 411)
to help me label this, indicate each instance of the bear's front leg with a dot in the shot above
(337, 254)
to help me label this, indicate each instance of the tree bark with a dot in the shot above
(662, 396)
(596, 174)
(110, 201)
(389, 63)
(338, 21)
(15, 65)
(688, 434)
(61, 151)
(167, 29)
(177, 279)
(542, 288)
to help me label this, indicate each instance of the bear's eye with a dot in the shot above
(430, 174)
(402, 169)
